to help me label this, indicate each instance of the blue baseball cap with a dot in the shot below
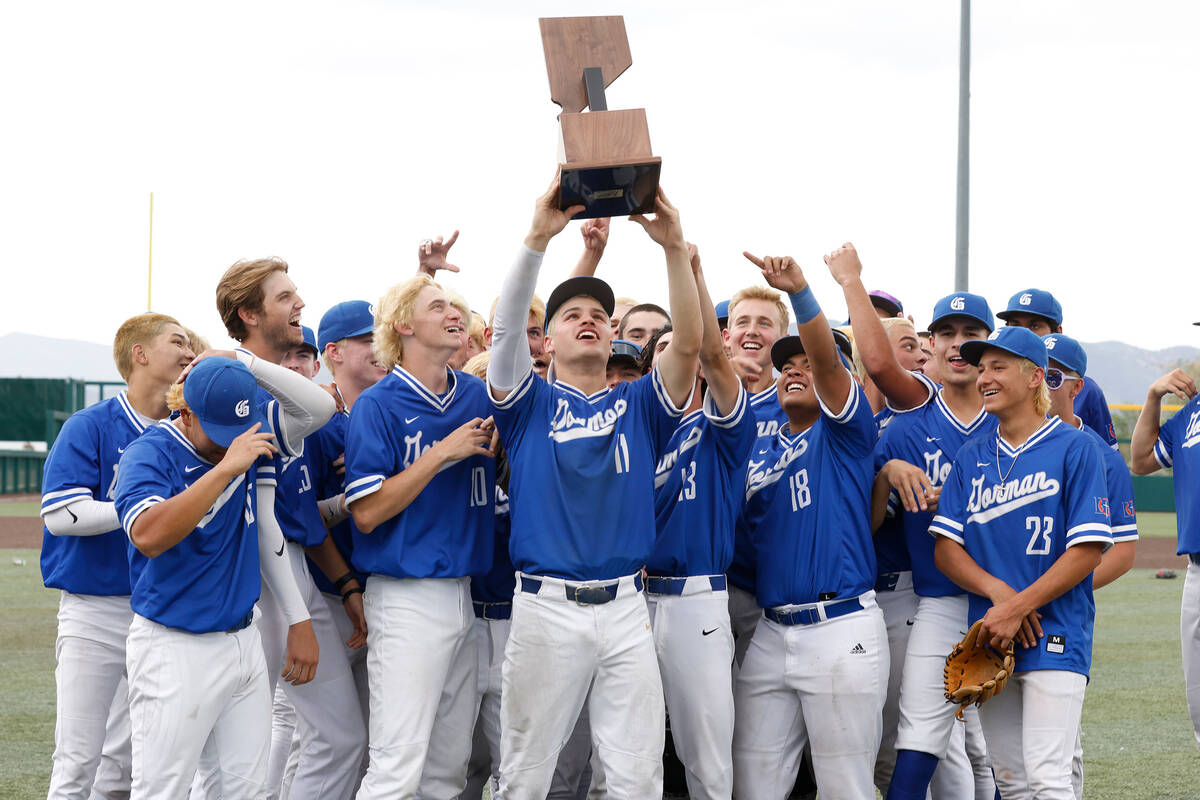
(1021, 342)
(626, 351)
(345, 321)
(223, 395)
(1033, 301)
(310, 338)
(722, 309)
(1066, 351)
(963, 304)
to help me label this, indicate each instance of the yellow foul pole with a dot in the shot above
(150, 262)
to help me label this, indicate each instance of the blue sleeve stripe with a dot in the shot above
(1125, 533)
(664, 398)
(64, 497)
(133, 513)
(848, 410)
(732, 418)
(937, 530)
(516, 393)
(363, 487)
(1162, 455)
(930, 388)
(948, 523)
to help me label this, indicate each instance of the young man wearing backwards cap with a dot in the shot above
(816, 669)
(194, 495)
(1021, 525)
(1039, 311)
(1175, 444)
(582, 454)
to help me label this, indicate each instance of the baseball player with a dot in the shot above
(1172, 445)
(1039, 311)
(816, 669)
(86, 555)
(192, 495)
(698, 485)
(419, 484)
(1021, 525)
(580, 453)
(1064, 374)
(260, 306)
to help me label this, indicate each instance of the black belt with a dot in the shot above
(656, 584)
(242, 623)
(811, 616)
(583, 594)
(493, 611)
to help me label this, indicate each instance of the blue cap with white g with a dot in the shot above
(1033, 301)
(1066, 351)
(345, 321)
(223, 395)
(963, 304)
(1021, 342)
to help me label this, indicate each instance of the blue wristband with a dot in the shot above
(804, 305)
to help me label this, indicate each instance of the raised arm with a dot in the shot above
(1145, 432)
(830, 377)
(510, 361)
(306, 406)
(677, 365)
(902, 389)
(431, 256)
(723, 383)
(595, 239)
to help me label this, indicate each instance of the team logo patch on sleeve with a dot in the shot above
(1129, 510)
(1056, 643)
(1102, 505)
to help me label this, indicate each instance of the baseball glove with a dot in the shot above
(974, 673)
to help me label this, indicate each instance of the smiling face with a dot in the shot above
(1006, 388)
(948, 336)
(795, 387)
(580, 333)
(537, 344)
(277, 323)
(353, 361)
(907, 347)
(753, 328)
(167, 354)
(639, 326)
(437, 324)
(302, 360)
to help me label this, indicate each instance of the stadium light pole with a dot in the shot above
(964, 149)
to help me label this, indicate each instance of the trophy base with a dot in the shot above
(608, 189)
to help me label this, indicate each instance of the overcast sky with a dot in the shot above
(337, 135)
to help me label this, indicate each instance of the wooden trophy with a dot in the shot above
(608, 166)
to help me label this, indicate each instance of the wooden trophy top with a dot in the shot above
(572, 44)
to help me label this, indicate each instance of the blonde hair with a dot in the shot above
(537, 310)
(892, 322)
(242, 287)
(396, 308)
(477, 364)
(856, 363)
(761, 293)
(1041, 397)
(626, 301)
(175, 400)
(197, 342)
(475, 330)
(142, 329)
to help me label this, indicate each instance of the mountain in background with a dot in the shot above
(1122, 370)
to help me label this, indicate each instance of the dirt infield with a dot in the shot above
(1152, 553)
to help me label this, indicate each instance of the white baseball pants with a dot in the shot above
(558, 649)
(899, 607)
(744, 614)
(114, 776)
(90, 651)
(197, 693)
(1031, 729)
(1189, 634)
(422, 674)
(693, 639)
(828, 678)
(333, 735)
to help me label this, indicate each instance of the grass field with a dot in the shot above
(22, 509)
(1138, 740)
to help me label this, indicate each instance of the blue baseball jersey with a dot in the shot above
(296, 497)
(446, 531)
(1177, 449)
(769, 416)
(209, 581)
(1016, 511)
(82, 464)
(498, 583)
(891, 551)
(1122, 511)
(698, 487)
(581, 488)
(326, 445)
(928, 436)
(808, 508)
(1092, 407)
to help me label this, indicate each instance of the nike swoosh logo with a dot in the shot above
(193, 469)
(706, 633)
(120, 450)
(408, 421)
(281, 549)
(931, 439)
(908, 622)
(982, 464)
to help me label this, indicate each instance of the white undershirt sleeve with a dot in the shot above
(333, 509)
(273, 561)
(305, 406)
(510, 361)
(84, 517)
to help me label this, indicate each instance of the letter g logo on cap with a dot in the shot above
(1050, 342)
(242, 409)
(1025, 299)
(958, 304)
